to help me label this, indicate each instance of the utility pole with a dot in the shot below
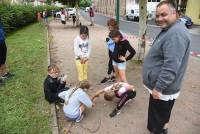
(117, 10)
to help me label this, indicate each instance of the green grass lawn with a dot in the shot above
(23, 109)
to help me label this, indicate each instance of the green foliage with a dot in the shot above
(48, 2)
(85, 3)
(70, 3)
(23, 108)
(16, 16)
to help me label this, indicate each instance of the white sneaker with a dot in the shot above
(80, 118)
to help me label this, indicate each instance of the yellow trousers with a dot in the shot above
(82, 70)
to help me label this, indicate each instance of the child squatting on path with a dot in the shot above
(124, 91)
(119, 56)
(82, 50)
(76, 100)
(54, 84)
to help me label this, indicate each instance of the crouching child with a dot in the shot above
(124, 91)
(76, 101)
(54, 84)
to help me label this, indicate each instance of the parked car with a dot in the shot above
(133, 15)
(186, 20)
(87, 9)
(71, 12)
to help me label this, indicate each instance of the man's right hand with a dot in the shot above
(156, 94)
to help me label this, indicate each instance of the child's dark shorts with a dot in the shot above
(3, 53)
(63, 22)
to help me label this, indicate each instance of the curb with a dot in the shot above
(54, 124)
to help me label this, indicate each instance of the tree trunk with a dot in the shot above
(77, 14)
(142, 29)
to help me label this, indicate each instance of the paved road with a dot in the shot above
(133, 28)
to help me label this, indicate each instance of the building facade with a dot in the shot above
(193, 10)
(108, 6)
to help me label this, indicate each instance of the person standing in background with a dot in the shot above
(63, 17)
(45, 17)
(91, 14)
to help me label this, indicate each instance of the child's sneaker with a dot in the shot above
(128, 101)
(7, 75)
(113, 79)
(105, 79)
(80, 118)
(114, 113)
(165, 131)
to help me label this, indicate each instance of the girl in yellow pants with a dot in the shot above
(82, 50)
(82, 68)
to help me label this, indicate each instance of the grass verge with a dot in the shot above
(23, 108)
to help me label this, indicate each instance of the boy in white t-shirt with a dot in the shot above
(121, 90)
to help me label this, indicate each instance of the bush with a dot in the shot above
(15, 16)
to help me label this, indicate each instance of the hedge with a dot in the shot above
(15, 16)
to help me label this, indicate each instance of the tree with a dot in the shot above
(142, 29)
(85, 3)
(49, 2)
(69, 2)
(4, 1)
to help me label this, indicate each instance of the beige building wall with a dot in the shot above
(108, 7)
(193, 10)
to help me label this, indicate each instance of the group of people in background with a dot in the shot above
(43, 16)
(64, 16)
(162, 74)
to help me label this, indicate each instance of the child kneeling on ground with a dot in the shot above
(76, 100)
(54, 84)
(124, 91)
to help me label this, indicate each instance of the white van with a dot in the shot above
(133, 14)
